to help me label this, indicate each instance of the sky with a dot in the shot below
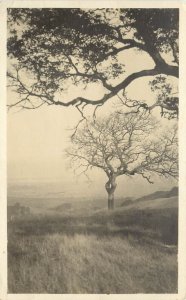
(37, 139)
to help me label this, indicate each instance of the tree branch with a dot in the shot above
(168, 70)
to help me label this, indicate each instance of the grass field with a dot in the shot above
(131, 250)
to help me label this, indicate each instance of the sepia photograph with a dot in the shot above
(92, 150)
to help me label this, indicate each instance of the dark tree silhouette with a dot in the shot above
(123, 145)
(59, 48)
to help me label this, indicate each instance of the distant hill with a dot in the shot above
(160, 194)
(161, 197)
(127, 201)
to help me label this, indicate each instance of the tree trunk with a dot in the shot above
(111, 201)
(110, 187)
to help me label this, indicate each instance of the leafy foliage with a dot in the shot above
(59, 48)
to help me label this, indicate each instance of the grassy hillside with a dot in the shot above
(86, 263)
(130, 250)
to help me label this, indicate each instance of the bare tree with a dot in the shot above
(124, 145)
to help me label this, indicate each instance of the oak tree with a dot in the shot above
(52, 50)
(124, 145)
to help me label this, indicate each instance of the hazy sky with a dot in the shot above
(37, 139)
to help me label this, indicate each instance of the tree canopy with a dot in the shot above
(61, 48)
(124, 145)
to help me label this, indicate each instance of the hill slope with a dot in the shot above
(132, 249)
(160, 194)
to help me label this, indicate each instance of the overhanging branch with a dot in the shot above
(49, 99)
